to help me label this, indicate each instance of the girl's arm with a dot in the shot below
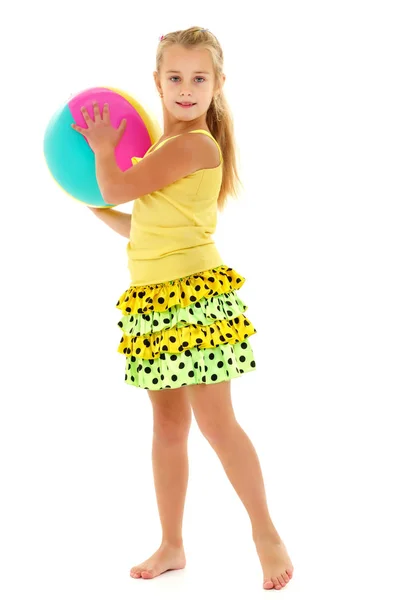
(117, 220)
(176, 159)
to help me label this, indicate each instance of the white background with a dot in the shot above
(314, 90)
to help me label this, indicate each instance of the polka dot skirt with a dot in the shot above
(186, 331)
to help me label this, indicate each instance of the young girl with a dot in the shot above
(184, 331)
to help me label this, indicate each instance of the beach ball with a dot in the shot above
(70, 159)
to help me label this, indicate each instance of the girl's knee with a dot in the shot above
(172, 415)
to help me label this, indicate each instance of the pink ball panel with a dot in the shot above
(135, 140)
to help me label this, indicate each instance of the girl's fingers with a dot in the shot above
(77, 128)
(86, 115)
(122, 126)
(106, 113)
(96, 112)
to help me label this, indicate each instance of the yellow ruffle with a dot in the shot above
(178, 340)
(184, 291)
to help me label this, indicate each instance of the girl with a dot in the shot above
(184, 332)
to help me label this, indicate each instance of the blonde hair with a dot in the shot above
(219, 118)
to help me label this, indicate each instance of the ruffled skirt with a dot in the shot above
(187, 331)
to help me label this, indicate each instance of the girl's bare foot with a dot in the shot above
(166, 558)
(276, 564)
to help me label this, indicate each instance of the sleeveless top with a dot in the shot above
(171, 228)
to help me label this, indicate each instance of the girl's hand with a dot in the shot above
(100, 133)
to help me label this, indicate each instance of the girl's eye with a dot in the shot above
(176, 77)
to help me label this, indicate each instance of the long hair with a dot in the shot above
(219, 118)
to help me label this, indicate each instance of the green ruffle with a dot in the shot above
(203, 312)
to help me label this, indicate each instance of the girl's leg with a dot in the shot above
(172, 417)
(212, 407)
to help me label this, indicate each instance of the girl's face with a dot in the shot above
(187, 76)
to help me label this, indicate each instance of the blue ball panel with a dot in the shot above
(70, 159)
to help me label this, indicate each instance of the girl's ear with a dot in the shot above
(157, 81)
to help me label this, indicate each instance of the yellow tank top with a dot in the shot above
(171, 228)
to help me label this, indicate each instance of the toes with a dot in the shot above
(268, 585)
(281, 580)
(290, 572)
(147, 573)
(276, 583)
(286, 577)
(135, 573)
